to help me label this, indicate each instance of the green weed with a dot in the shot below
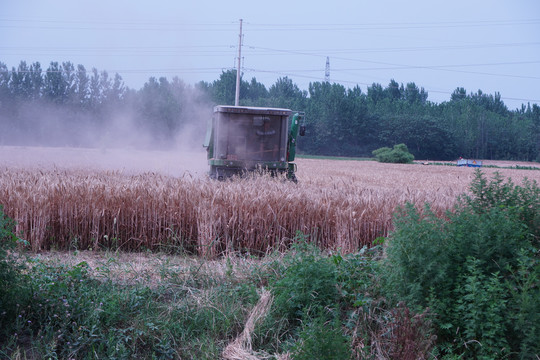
(469, 269)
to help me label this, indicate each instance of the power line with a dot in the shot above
(408, 66)
(212, 50)
(145, 25)
(291, 74)
(297, 25)
(403, 66)
(344, 54)
(123, 26)
(390, 26)
(320, 52)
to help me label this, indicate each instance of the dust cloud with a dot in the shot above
(48, 137)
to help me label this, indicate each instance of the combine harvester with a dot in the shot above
(242, 140)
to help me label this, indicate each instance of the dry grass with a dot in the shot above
(240, 348)
(338, 204)
(154, 270)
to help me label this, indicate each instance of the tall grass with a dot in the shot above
(336, 204)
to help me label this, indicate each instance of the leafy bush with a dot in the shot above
(399, 154)
(75, 315)
(520, 201)
(477, 269)
(303, 284)
(72, 314)
(356, 277)
(13, 284)
(322, 338)
(481, 308)
(317, 301)
(308, 285)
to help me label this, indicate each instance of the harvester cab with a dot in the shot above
(244, 139)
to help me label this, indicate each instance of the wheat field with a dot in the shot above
(337, 204)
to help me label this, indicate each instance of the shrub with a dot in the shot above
(520, 201)
(312, 293)
(308, 285)
(481, 308)
(304, 283)
(322, 338)
(398, 155)
(477, 269)
(13, 284)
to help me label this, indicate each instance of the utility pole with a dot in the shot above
(237, 95)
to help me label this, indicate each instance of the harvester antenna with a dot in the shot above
(237, 95)
(327, 70)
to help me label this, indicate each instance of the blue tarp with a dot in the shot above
(469, 163)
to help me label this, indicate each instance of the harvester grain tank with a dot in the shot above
(243, 139)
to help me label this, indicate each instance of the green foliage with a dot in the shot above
(313, 293)
(76, 315)
(473, 268)
(523, 287)
(223, 91)
(481, 308)
(72, 314)
(308, 285)
(322, 339)
(13, 290)
(398, 155)
(356, 277)
(286, 94)
(520, 201)
(7, 237)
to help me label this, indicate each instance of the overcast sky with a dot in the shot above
(492, 45)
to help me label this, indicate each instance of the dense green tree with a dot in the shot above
(69, 77)
(95, 90)
(394, 91)
(20, 81)
(338, 121)
(54, 84)
(6, 104)
(534, 115)
(375, 93)
(82, 83)
(286, 94)
(160, 109)
(105, 85)
(325, 131)
(458, 94)
(256, 93)
(423, 134)
(413, 94)
(491, 103)
(36, 81)
(4, 80)
(223, 90)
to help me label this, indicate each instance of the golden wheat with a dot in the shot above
(337, 204)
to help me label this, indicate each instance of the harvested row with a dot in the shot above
(336, 206)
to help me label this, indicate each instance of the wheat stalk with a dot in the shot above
(337, 205)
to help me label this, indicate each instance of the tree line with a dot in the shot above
(339, 121)
(66, 105)
(349, 122)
